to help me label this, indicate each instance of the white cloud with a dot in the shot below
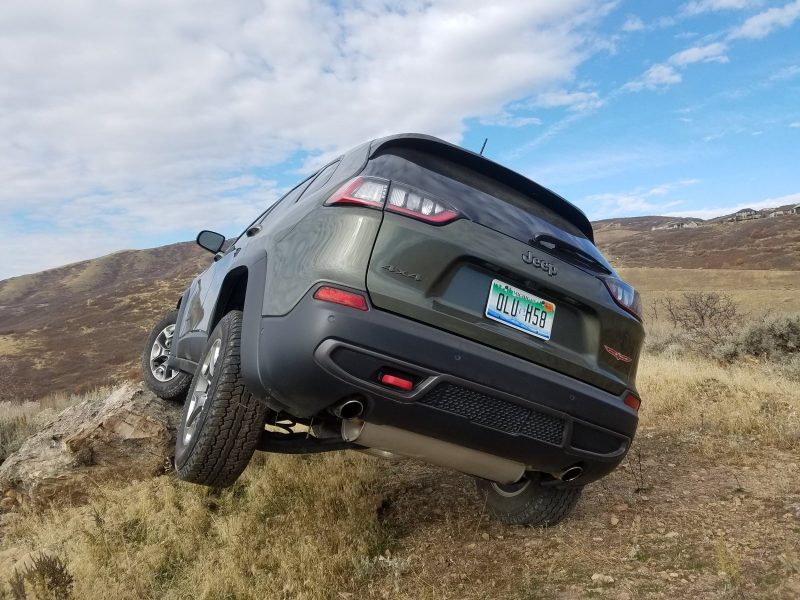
(795, 124)
(638, 201)
(710, 213)
(702, 6)
(657, 76)
(128, 118)
(663, 75)
(575, 101)
(633, 23)
(713, 136)
(506, 119)
(764, 23)
(786, 73)
(709, 53)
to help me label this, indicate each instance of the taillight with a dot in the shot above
(402, 199)
(420, 205)
(361, 191)
(625, 295)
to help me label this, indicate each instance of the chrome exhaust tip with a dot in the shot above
(349, 409)
(570, 473)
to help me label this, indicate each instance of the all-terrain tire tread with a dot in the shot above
(535, 506)
(166, 390)
(228, 437)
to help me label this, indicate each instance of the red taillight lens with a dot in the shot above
(361, 191)
(633, 401)
(343, 297)
(625, 295)
(372, 192)
(408, 201)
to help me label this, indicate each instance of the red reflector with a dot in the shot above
(351, 299)
(397, 382)
(633, 401)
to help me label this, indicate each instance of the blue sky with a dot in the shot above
(130, 126)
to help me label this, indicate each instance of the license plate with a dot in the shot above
(520, 310)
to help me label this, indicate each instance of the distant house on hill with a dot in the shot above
(747, 214)
(779, 213)
(675, 225)
(795, 210)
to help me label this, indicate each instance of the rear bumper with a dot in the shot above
(466, 393)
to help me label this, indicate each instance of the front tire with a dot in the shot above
(528, 502)
(222, 422)
(166, 383)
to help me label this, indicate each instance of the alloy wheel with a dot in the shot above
(199, 393)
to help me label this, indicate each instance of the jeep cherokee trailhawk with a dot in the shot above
(411, 298)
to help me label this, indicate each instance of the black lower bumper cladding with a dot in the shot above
(465, 393)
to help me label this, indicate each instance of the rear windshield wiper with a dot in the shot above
(569, 253)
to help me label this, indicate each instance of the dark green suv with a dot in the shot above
(417, 299)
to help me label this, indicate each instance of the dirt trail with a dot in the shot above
(670, 524)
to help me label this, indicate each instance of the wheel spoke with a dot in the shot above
(159, 354)
(199, 395)
(193, 413)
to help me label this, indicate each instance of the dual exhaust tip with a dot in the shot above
(570, 473)
(393, 441)
(349, 409)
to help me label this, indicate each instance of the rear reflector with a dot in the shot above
(633, 401)
(397, 382)
(345, 298)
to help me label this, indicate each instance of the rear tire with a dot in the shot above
(528, 502)
(166, 383)
(222, 422)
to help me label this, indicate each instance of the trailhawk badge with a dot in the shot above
(617, 354)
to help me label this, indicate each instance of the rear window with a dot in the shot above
(476, 194)
(482, 199)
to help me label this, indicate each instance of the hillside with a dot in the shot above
(82, 325)
(760, 244)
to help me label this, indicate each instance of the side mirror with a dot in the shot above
(210, 240)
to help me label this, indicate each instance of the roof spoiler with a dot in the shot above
(498, 172)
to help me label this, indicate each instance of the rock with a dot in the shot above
(128, 435)
(614, 520)
(600, 578)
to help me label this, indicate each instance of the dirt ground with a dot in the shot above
(670, 524)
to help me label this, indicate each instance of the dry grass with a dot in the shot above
(291, 527)
(707, 505)
(756, 292)
(720, 409)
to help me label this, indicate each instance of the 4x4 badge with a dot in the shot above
(547, 267)
(396, 271)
